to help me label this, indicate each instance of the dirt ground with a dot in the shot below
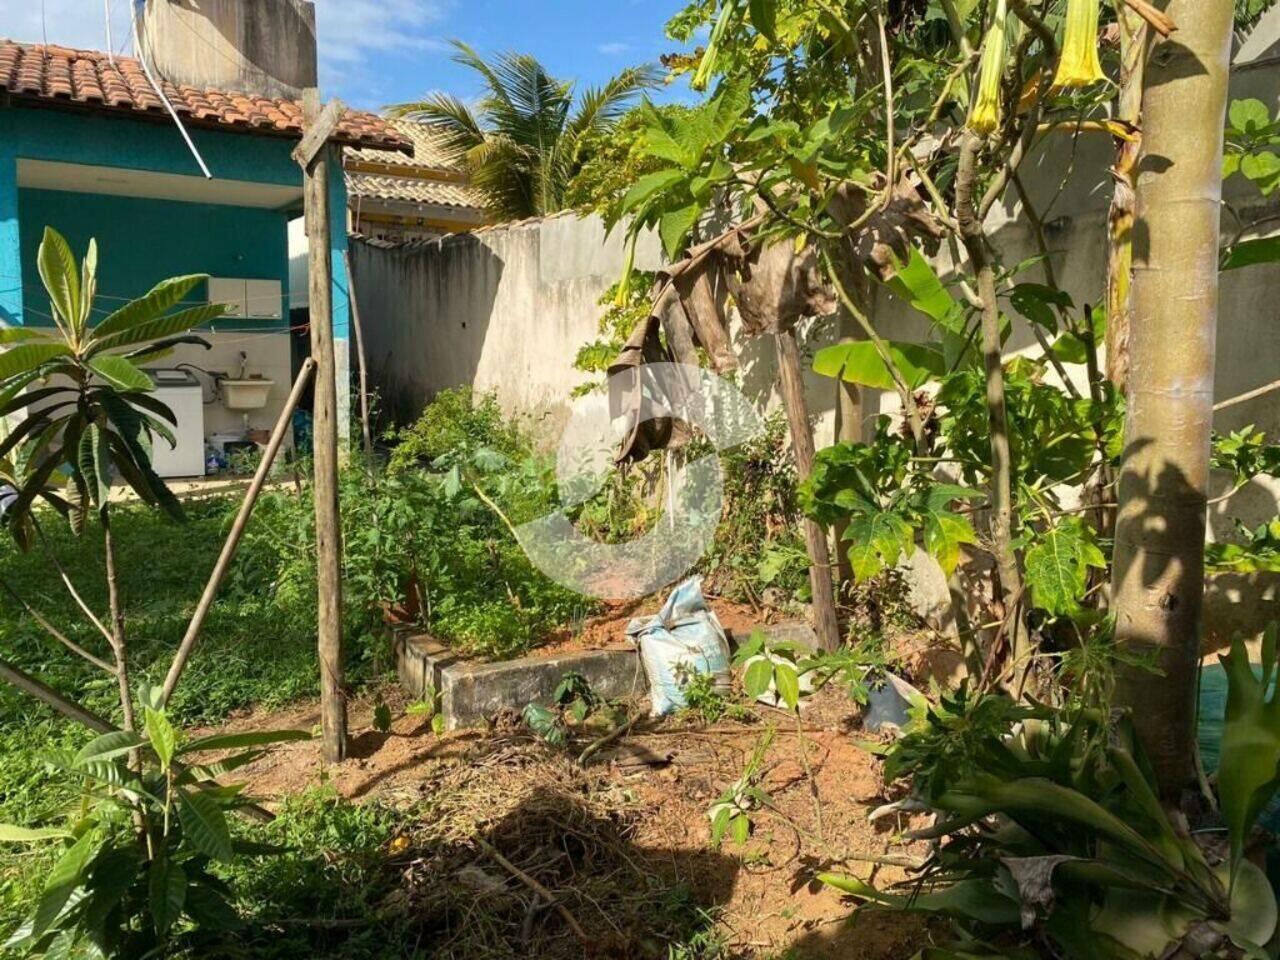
(607, 630)
(618, 839)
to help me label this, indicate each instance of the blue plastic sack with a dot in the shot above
(683, 639)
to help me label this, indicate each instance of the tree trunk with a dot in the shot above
(1002, 517)
(849, 416)
(118, 644)
(1158, 578)
(815, 537)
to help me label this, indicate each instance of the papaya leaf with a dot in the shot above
(876, 541)
(1057, 566)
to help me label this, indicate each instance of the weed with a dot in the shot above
(704, 700)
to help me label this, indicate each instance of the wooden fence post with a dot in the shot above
(318, 160)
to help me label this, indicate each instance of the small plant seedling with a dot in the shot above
(382, 716)
(575, 696)
(429, 709)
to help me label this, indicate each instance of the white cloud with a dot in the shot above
(350, 31)
(351, 34)
(614, 49)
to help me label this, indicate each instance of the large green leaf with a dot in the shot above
(23, 400)
(93, 462)
(109, 746)
(859, 362)
(1263, 168)
(57, 267)
(199, 772)
(131, 453)
(168, 889)
(1249, 769)
(675, 225)
(1057, 566)
(1249, 115)
(787, 681)
(204, 824)
(122, 374)
(161, 327)
(62, 880)
(18, 334)
(648, 185)
(31, 427)
(967, 899)
(876, 541)
(9, 833)
(1035, 798)
(164, 739)
(1247, 253)
(239, 741)
(160, 299)
(26, 357)
(758, 676)
(764, 17)
(916, 282)
(944, 533)
(1040, 303)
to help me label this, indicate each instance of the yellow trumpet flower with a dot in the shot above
(984, 108)
(1078, 66)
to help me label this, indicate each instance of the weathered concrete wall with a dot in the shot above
(503, 309)
(506, 309)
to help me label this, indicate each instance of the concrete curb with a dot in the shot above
(470, 692)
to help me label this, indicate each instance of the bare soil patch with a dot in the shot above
(623, 843)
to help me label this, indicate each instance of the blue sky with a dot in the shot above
(375, 52)
(584, 40)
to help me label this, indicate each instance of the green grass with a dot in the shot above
(252, 651)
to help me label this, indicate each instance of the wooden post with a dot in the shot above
(815, 537)
(317, 157)
(358, 332)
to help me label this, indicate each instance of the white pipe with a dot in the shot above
(142, 59)
(111, 47)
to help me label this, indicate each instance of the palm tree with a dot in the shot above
(528, 135)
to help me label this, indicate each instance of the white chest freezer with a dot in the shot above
(181, 392)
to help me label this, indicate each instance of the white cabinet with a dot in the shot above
(251, 299)
(262, 299)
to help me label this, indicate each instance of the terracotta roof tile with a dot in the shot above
(88, 78)
(432, 176)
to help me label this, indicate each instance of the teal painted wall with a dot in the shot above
(10, 262)
(143, 241)
(80, 137)
(75, 137)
